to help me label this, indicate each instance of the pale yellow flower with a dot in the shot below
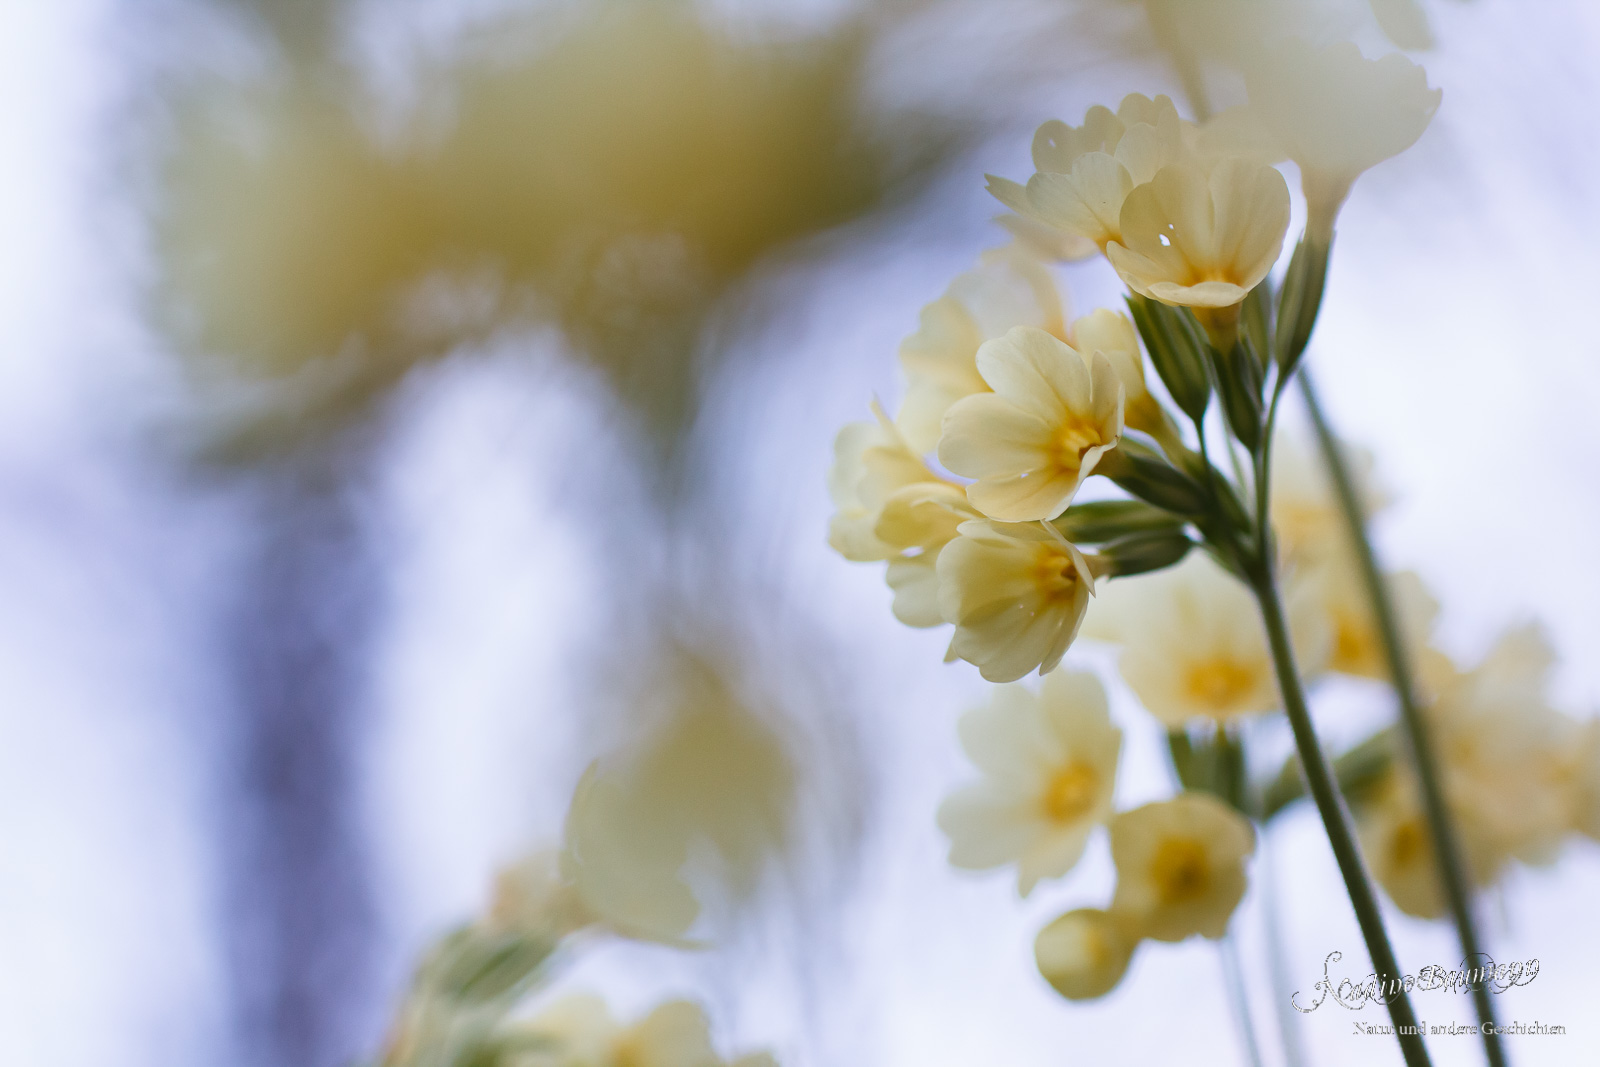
(1320, 561)
(1009, 287)
(1398, 846)
(1045, 243)
(1510, 759)
(1032, 441)
(532, 898)
(626, 870)
(1587, 747)
(1337, 113)
(1233, 31)
(1306, 518)
(1049, 764)
(1085, 172)
(1512, 768)
(1112, 334)
(1340, 592)
(1202, 237)
(1016, 593)
(1193, 643)
(1084, 953)
(579, 1030)
(887, 499)
(1180, 866)
(891, 506)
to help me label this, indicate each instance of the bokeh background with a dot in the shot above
(402, 404)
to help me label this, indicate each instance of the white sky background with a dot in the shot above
(1457, 341)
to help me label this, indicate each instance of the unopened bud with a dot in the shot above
(1301, 299)
(1144, 474)
(1176, 346)
(1084, 953)
(1108, 520)
(1141, 553)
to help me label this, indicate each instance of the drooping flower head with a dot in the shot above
(1016, 593)
(1049, 764)
(1085, 172)
(1202, 237)
(1032, 441)
(1180, 866)
(1336, 114)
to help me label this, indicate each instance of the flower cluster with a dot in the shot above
(974, 494)
(1049, 768)
(1012, 405)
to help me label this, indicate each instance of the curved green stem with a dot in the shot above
(1330, 805)
(1446, 847)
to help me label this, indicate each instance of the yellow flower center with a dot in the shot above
(1219, 685)
(1407, 844)
(1180, 870)
(1053, 572)
(1352, 647)
(627, 1053)
(1074, 437)
(1071, 793)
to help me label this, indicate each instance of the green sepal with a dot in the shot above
(1143, 473)
(1211, 761)
(1255, 320)
(1239, 378)
(1300, 301)
(1150, 550)
(1176, 350)
(1106, 520)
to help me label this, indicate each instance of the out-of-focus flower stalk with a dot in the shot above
(1304, 287)
(1233, 976)
(1262, 579)
(1447, 849)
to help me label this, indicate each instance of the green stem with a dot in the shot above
(1330, 805)
(1446, 847)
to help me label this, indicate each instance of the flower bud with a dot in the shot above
(1238, 372)
(1210, 761)
(1107, 520)
(1175, 351)
(1141, 553)
(1144, 474)
(1084, 953)
(1300, 300)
